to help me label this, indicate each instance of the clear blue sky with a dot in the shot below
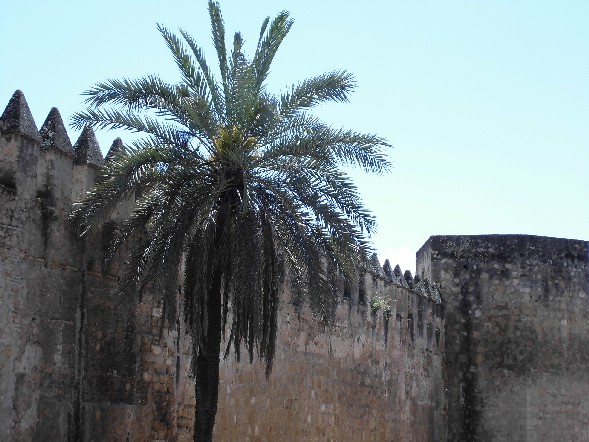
(485, 103)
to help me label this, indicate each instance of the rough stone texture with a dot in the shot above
(81, 363)
(87, 150)
(504, 358)
(115, 148)
(54, 135)
(78, 362)
(17, 118)
(376, 375)
(517, 313)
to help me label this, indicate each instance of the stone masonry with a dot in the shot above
(376, 375)
(495, 351)
(82, 363)
(517, 330)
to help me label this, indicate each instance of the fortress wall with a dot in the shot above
(38, 296)
(517, 312)
(373, 376)
(80, 362)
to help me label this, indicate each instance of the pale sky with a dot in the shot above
(485, 103)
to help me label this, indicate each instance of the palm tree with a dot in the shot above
(234, 185)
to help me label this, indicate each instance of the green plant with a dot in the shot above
(232, 184)
(379, 302)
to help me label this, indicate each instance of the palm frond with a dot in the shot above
(190, 73)
(218, 31)
(128, 119)
(174, 102)
(268, 45)
(334, 86)
(342, 147)
(209, 78)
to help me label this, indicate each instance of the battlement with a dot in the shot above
(64, 172)
(44, 166)
(43, 163)
(421, 287)
(495, 347)
(95, 362)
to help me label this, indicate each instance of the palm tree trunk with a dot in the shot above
(207, 362)
(207, 366)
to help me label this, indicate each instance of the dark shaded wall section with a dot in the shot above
(517, 328)
(78, 362)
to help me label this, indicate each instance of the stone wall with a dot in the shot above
(78, 362)
(504, 358)
(517, 324)
(376, 375)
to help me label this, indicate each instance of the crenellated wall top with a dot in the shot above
(18, 120)
(420, 286)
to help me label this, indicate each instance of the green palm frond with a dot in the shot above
(218, 31)
(208, 76)
(268, 45)
(132, 121)
(176, 103)
(190, 73)
(334, 86)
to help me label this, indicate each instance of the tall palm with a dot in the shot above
(234, 185)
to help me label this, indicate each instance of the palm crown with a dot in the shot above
(233, 184)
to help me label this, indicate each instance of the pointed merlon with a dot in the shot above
(17, 118)
(54, 135)
(409, 278)
(387, 269)
(87, 149)
(397, 272)
(375, 265)
(115, 148)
